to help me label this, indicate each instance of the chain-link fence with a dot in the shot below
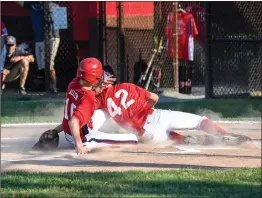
(149, 28)
(35, 29)
(227, 46)
(227, 54)
(236, 48)
(60, 49)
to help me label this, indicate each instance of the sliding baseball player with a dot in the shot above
(132, 107)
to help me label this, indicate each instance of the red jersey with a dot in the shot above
(3, 29)
(187, 30)
(80, 103)
(127, 105)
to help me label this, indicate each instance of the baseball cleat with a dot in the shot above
(198, 139)
(235, 139)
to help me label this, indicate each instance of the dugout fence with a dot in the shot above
(227, 51)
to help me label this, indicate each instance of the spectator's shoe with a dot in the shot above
(22, 91)
(235, 139)
(53, 92)
(2, 88)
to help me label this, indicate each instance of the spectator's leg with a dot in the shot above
(54, 44)
(13, 74)
(40, 54)
(24, 68)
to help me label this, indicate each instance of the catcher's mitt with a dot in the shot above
(49, 140)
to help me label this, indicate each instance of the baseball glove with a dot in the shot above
(49, 140)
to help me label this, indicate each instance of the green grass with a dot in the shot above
(16, 111)
(178, 183)
(226, 108)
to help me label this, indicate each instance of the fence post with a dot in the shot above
(175, 50)
(102, 31)
(47, 45)
(208, 53)
(121, 43)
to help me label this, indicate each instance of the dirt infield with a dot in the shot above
(17, 141)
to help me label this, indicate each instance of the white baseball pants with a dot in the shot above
(96, 138)
(162, 122)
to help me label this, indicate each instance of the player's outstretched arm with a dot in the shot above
(74, 125)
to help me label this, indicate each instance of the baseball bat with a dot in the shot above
(160, 46)
(143, 77)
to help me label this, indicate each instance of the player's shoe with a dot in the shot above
(235, 139)
(198, 140)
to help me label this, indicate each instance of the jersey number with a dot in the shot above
(72, 109)
(112, 105)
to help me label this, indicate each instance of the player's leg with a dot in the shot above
(101, 139)
(182, 120)
(98, 119)
(154, 131)
(96, 138)
(161, 124)
(158, 124)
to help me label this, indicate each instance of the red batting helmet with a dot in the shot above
(91, 70)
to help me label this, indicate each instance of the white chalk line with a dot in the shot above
(29, 124)
(183, 151)
(45, 157)
(54, 123)
(17, 138)
(206, 148)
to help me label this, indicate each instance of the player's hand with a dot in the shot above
(82, 150)
(109, 80)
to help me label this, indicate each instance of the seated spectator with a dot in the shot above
(37, 14)
(4, 33)
(16, 64)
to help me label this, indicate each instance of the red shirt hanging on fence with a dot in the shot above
(187, 30)
(198, 13)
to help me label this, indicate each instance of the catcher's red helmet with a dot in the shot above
(91, 70)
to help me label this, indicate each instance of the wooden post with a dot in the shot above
(47, 45)
(121, 43)
(175, 46)
(102, 32)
